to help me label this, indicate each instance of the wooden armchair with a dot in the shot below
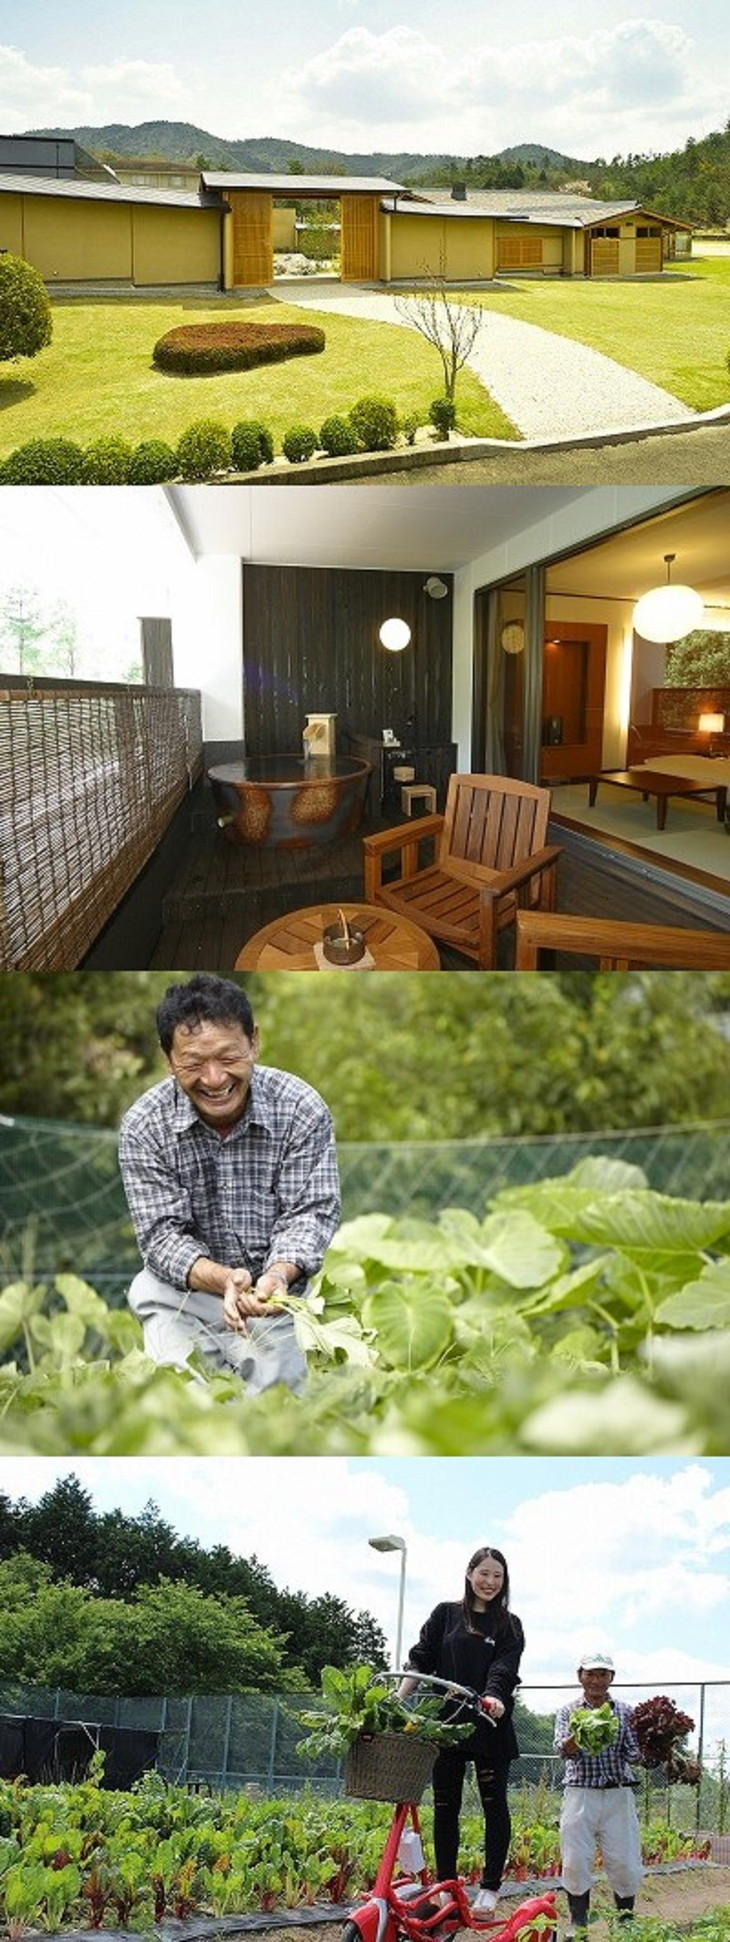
(617, 946)
(490, 857)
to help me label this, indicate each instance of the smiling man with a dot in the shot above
(230, 1173)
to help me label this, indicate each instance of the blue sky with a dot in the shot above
(590, 79)
(627, 1554)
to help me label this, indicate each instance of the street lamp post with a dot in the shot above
(391, 1543)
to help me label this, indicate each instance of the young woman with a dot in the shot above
(477, 1642)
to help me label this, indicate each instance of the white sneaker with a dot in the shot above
(485, 1901)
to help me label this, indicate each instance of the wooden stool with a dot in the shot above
(412, 792)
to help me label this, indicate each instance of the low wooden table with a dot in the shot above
(288, 944)
(650, 782)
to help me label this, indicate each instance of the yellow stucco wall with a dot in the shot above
(74, 241)
(435, 246)
(80, 241)
(176, 245)
(11, 224)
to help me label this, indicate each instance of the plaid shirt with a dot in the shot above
(609, 1768)
(267, 1192)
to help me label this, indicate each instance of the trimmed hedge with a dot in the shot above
(25, 311)
(251, 445)
(152, 462)
(107, 461)
(375, 424)
(45, 461)
(337, 437)
(298, 444)
(204, 448)
(442, 413)
(196, 348)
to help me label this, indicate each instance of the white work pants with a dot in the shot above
(176, 1321)
(607, 1817)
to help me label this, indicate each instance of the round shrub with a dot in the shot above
(25, 312)
(442, 413)
(152, 462)
(410, 426)
(337, 437)
(203, 449)
(375, 424)
(251, 445)
(299, 443)
(196, 348)
(106, 462)
(45, 461)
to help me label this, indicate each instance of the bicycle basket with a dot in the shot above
(388, 1766)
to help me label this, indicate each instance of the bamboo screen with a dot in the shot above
(92, 776)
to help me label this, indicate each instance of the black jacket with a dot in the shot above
(486, 1661)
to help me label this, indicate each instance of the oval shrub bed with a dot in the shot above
(198, 348)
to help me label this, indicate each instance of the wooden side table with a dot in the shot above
(288, 943)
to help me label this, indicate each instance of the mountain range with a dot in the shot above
(692, 183)
(181, 141)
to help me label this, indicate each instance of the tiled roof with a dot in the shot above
(79, 191)
(299, 185)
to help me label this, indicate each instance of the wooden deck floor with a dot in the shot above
(222, 894)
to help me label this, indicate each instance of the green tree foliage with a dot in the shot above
(170, 1638)
(701, 660)
(117, 1558)
(459, 1057)
(36, 638)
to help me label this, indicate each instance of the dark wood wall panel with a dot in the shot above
(310, 644)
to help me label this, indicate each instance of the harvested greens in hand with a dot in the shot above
(594, 1727)
(661, 1730)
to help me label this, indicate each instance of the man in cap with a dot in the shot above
(598, 1804)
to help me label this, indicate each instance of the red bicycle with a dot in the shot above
(404, 1901)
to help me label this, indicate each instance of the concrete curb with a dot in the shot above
(413, 458)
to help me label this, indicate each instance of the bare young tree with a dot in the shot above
(451, 327)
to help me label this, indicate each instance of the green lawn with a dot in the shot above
(675, 332)
(97, 376)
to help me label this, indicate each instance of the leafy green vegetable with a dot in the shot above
(357, 1701)
(594, 1727)
(584, 1314)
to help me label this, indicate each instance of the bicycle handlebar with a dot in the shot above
(446, 1686)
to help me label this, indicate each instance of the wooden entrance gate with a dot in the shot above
(359, 238)
(253, 239)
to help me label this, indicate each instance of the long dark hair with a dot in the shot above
(499, 1606)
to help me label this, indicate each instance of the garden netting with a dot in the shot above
(62, 1207)
(250, 1740)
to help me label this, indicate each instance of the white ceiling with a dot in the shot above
(439, 528)
(628, 563)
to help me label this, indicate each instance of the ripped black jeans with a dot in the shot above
(448, 1785)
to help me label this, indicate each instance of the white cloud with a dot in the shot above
(639, 1565)
(54, 97)
(634, 85)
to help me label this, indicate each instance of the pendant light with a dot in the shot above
(668, 613)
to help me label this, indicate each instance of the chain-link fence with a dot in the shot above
(62, 1208)
(251, 1741)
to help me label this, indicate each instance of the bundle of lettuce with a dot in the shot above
(594, 1727)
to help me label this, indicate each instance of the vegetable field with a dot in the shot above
(581, 1314)
(79, 1856)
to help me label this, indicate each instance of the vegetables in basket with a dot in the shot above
(357, 1701)
(594, 1727)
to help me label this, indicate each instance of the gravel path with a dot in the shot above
(549, 386)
